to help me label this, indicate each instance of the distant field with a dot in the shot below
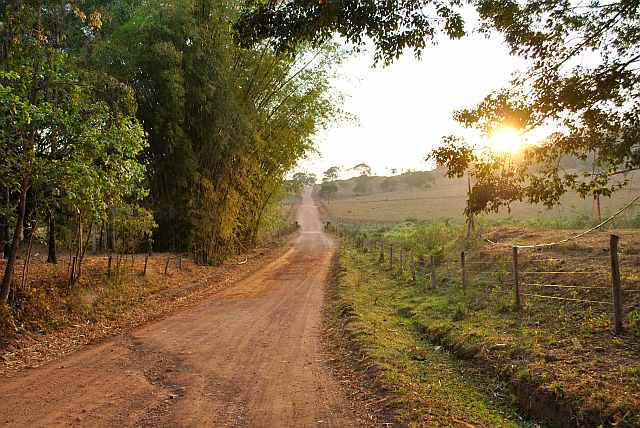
(446, 199)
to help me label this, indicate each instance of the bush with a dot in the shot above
(634, 322)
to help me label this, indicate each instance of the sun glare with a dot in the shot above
(505, 140)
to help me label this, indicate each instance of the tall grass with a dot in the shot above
(437, 238)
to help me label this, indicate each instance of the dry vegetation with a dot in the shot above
(445, 198)
(55, 320)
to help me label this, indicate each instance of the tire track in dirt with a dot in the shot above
(249, 356)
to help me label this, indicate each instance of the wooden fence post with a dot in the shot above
(434, 280)
(413, 268)
(616, 289)
(464, 271)
(391, 256)
(166, 266)
(146, 259)
(401, 260)
(381, 251)
(516, 279)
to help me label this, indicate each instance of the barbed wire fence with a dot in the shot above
(523, 272)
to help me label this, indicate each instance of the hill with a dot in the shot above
(434, 196)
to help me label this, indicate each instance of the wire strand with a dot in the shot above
(571, 238)
(566, 298)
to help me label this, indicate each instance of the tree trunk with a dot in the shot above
(254, 234)
(470, 217)
(3, 232)
(29, 212)
(52, 257)
(111, 241)
(84, 249)
(27, 262)
(15, 244)
(78, 252)
(94, 243)
(6, 248)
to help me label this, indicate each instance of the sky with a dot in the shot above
(403, 110)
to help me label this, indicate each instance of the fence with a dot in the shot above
(526, 273)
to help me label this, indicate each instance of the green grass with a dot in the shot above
(562, 358)
(430, 386)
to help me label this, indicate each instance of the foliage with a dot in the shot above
(304, 178)
(392, 25)
(63, 145)
(362, 168)
(362, 185)
(125, 119)
(328, 189)
(634, 322)
(221, 142)
(418, 179)
(331, 174)
(592, 104)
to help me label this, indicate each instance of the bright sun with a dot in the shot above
(505, 139)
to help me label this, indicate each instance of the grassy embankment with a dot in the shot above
(560, 360)
(428, 385)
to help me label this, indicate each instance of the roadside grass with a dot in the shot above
(561, 362)
(429, 386)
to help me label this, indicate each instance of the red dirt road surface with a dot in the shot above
(249, 356)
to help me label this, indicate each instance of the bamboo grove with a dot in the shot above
(127, 125)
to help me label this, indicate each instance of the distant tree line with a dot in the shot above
(366, 183)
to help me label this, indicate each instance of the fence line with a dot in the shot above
(579, 235)
(541, 296)
(566, 286)
(406, 265)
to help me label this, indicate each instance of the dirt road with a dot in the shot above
(250, 356)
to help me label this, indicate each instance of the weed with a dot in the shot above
(430, 387)
(634, 322)
(523, 374)
(459, 313)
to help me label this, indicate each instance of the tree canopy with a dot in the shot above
(120, 115)
(582, 82)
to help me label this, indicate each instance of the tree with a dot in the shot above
(225, 124)
(594, 107)
(392, 25)
(594, 104)
(331, 174)
(304, 178)
(328, 189)
(362, 169)
(61, 144)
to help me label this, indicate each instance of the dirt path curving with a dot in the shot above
(249, 356)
